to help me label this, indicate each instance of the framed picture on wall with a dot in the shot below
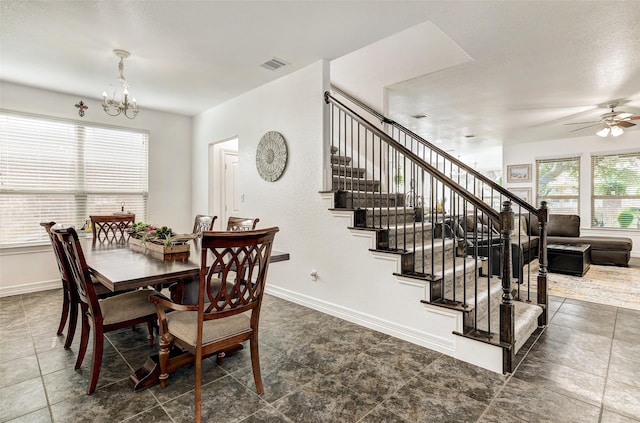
(524, 193)
(519, 173)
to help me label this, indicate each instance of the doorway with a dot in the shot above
(230, 197)
(224, 197)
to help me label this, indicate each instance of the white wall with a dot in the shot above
(353, 283)
(27, 269)
(416, 51)
(583, 147)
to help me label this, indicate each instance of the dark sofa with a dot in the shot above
(565, 229)
(481, 238)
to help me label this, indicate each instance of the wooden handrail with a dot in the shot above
(411, 156)
(383, 119)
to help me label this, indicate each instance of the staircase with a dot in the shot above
(399, 190)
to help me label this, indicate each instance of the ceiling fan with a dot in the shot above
(612, 122)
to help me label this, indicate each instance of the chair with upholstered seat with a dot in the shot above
(242, 223)
(203, 223)
(111, 228)
(70, 303)
(186, 293)
(101, 315)
(222, 318)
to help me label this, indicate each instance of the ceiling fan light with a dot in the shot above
(616, 130)
(603, 132)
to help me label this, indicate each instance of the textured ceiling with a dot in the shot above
(535, 65)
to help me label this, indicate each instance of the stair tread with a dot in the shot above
(526, 321)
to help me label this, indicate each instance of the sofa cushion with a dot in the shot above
(520, 226)
(563, 225)
(558, 225)
(527, 243)
(532, 221)
(596, 242)
(478, 223)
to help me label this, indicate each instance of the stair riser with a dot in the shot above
(438, 254)
(411, 237)
(374, 201)
(354, 184)
(340, 160)
(459, 282)
(383, 220)
(448, 252)
(483, 306)
(348, 172)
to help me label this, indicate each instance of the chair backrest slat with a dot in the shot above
(242, 223)
(233, 271)
(112, 228)
(203, 223)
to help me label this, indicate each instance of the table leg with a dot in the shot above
(149, 374)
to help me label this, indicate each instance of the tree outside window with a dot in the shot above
(558, 183)
(615, 201)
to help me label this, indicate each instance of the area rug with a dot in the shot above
(611, 285)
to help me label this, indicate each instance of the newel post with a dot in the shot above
(543, 295)
(507, 308)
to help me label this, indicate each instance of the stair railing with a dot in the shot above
(389, 181)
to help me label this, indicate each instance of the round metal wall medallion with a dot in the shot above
(271, 156)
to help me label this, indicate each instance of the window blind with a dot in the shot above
(63, 171)
(615, 199)
(558, 183)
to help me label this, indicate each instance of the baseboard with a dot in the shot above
(7, 291)
(443, 345)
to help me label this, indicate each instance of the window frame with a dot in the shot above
(595, 197)
(88, 143)
(575, 197)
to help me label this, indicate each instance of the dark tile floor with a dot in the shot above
(583, 367)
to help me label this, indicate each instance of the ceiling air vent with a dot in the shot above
(274, 64)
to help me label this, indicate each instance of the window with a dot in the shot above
(63, 171)
(615, 200)
(558, 183)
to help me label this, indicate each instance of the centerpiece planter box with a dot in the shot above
(162, 251)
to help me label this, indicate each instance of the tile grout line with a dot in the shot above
(606, 377)
(35, 352)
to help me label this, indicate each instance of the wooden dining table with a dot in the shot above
(120, 268)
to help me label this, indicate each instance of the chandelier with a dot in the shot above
(117, 104)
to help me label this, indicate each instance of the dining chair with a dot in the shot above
(242, 223)
(70, 301)
(203, 223)
(103, 315)
(186, 291)
(111, 228)
(222, 318)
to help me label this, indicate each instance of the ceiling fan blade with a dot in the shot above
(583, 123)
(585, 127)
(623, 116)
(625, 124)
